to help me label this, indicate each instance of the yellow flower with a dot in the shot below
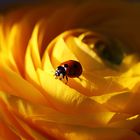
(103, 103)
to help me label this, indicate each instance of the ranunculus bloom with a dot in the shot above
(102, 104)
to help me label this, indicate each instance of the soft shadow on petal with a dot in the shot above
(133, 106)
(100, 134)
(32, 61)
(69, 132)
(128, 122)
(6, 133)
(15, 39)
(20, 87)
(46, 114)
(16, 123)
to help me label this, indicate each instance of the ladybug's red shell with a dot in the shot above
(74, 68)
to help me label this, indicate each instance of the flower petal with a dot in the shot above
(21, 87)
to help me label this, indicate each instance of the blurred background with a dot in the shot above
(11, 4)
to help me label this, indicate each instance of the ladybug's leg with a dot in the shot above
(55, 76)
(80, 78)
(61, 76)
(66, 79)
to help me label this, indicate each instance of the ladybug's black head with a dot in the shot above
(60, 71)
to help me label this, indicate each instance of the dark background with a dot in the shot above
(11, 4)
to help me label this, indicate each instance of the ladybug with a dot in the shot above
(70, 68)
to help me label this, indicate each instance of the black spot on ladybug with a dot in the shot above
(75, 66)
(66, 65)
